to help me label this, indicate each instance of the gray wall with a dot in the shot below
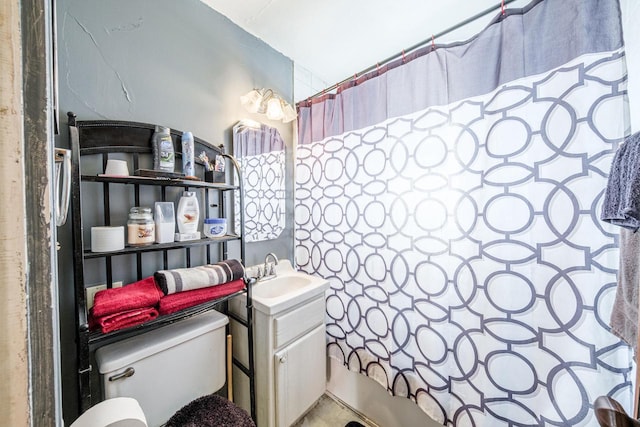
(174, 63)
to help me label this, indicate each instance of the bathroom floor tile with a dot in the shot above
(328, 412)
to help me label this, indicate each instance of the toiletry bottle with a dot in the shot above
(188, 214)
(163, 154)
(187, 154)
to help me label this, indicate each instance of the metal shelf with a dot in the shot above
(97, 338)
(105, 137)
(161, 246)
(141, 180)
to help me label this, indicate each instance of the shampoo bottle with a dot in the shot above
(163, 154)
(188, 214)
(187, 154)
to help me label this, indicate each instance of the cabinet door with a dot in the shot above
(300, 373)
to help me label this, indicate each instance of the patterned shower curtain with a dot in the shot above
(452, 201)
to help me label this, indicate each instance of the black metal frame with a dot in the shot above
(106, 136)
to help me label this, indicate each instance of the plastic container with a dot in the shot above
(187, 154)
(141, 230)
(163, 153)
(188, 215)
(165, 219)
(215, 227)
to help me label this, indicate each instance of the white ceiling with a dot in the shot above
(334, 39)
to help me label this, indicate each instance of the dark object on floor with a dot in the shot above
(211, 411)
(354, 424)
(611, 414)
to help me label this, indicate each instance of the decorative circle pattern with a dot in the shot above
(468, 270)
(264, 195)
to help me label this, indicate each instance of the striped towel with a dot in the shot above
(187, 279)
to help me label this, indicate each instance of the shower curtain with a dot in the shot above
(452, 197)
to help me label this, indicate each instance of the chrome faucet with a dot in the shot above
(270, 269)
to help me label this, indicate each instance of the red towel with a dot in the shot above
(123, 319)
(181, 300)
(142, 294)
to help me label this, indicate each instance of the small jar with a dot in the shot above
(141, 230)
(215, 227)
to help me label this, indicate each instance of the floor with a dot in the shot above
(328, 412)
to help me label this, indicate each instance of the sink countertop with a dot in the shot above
(288, 289)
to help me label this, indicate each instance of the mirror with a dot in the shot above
(259, 149)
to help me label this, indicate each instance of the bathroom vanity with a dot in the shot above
(289, 345)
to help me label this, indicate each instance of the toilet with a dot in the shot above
(166, 368)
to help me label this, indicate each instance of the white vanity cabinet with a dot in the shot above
(300, 375)
(290, 352)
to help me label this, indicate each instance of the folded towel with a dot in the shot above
(121, 320)
(141, 294)
(621, 204)
(624, 316)
(187, 279)
(181, 300)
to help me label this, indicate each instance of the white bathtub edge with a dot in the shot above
(367, 397)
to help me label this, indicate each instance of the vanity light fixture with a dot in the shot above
(265, 101)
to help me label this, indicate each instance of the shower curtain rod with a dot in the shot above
(416, 46)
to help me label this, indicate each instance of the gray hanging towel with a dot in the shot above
(621, 205)
(624, 316)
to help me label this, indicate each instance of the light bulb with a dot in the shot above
(274, 109)
(289, 113)
(251, 101)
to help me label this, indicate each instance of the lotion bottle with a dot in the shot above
(163, 153)
(187, 154)
(188, 214)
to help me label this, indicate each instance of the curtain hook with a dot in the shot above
(378, 67)
(433, 42)
(503, 9)
(403, 56)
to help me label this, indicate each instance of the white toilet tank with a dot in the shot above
(166, 368)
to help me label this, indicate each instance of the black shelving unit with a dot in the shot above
(132, 139)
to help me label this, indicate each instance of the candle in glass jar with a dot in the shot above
(141, 230)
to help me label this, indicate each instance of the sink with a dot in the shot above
(280, 286)
(289, 288)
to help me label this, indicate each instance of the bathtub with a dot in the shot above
(373, 402)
